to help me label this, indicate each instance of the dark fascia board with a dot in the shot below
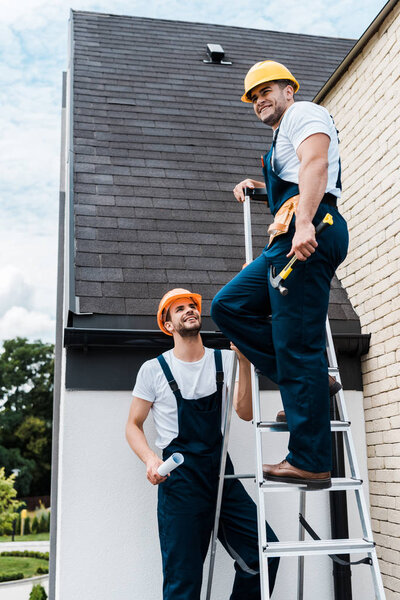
(131, 338)
(351, 343)
(355, 51)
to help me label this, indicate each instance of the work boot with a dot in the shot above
(334, 387)
(287, 473)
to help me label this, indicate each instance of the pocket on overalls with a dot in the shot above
(283, 218)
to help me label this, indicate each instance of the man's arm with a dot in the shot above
(137, 440)
(313, 177)
(238, 190)
(242, 401)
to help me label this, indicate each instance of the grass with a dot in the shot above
(25, 565)
(32, 537)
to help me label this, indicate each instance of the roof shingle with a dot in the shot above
(160, 140)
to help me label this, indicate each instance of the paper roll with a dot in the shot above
(175, 460)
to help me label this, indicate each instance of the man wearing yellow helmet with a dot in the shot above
(284, 336)
(186, 389)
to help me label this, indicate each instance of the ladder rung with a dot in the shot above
(282, 426)
(333, 370)
(338, 484)
(318, 547)
(240, 476)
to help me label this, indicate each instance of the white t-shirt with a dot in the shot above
(301, 120)
(195, 380)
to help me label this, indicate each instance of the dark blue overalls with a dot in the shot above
(284, 336)
(187, 499)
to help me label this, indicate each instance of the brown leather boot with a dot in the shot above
(334, 387)
(287, 473)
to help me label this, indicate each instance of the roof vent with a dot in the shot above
(216, 53)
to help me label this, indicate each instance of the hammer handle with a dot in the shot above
(326, 222)
(323, 225)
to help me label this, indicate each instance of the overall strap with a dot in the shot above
(219, 370)
(339, 177)
(272, 149)
(170, 378)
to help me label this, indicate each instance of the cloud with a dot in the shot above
(14, 289)
(18, 321)
(18, 316)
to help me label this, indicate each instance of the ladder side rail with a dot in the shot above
(364, 515)
(377, 577)
(342, 408)
(300, 560)
(350, 446)
(332, 363)
(247, 230)
(224, 452)
(262, 533)
(255, 394)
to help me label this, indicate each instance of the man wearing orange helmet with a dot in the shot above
(186, 389)
(284, 336)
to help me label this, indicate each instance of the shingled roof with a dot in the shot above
(160, 138)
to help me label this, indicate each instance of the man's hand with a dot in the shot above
(151, 468)
(242, 395)
(238, 190)
(238, 353)
(304, 242)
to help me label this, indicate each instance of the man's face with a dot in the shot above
(184, 317)
(270, 102)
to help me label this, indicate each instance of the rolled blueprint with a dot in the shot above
(170, 464)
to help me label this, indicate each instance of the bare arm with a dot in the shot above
(313, 177)
(238, 190)
(137, 440)
(242, 399)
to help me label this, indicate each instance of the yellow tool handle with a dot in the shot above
(326, 221)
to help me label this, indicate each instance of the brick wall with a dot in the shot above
(366, 107)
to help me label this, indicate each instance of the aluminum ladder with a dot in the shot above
(301, 547)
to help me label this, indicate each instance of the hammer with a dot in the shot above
(276, 281)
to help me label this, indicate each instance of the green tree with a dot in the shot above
(11, 458)
(43, 524)
(38, 593)
(26, 403)
(35, 525)
(27, 526)
(9, 505)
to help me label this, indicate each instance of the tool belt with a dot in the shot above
(283, 218)
(285, 214)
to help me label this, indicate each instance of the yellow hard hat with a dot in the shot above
(169, 298)
(267, 70)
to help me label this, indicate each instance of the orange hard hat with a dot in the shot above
(169, 298)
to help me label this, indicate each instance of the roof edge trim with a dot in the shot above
(351, 344)
(70, 262)
(355, 51)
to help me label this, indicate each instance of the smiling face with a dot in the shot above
(183, 318)
(270, 101)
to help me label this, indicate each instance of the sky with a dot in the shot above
(33, 54)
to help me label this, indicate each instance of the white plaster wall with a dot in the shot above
(107, 531)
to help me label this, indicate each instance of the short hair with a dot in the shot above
(167, 315)
(284, 83)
